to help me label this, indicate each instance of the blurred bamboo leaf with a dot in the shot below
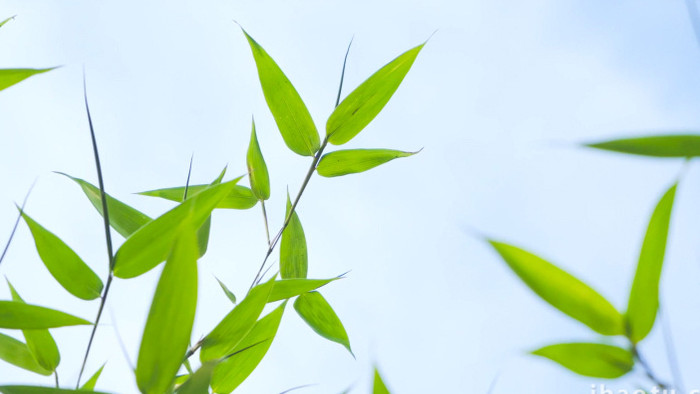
(64, 264)
(363, 104)
(656, 146)
(229, 293)
(294, 259)
(90, 384)
(291, 115)
(319, 315)
(288, 288)
(644, 296)
(379, 387)
(9, 77)
(40, 342)
(199, 382)
(41, 390)
(562, 290)
(21, 316)
(170, 319)
(19, 355)
(590, 359)
(237, 324)
(257, 169)
(123, 218)
(234, 370)
(344, 162)
(240, 197)
(6, 20)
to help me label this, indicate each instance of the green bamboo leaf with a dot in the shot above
(233, 328)
(656, 146)
(203, 236)
(41, 390)
(364, 103)
(562, 290)
(291, 115)
(294, 258)
(199, 382)
(64, 264)
(19, 355)
(151, 244)
(6, 20)
(379, 387)
(90, 384)
(590, 359)
(249, 353)
(21, 316)
(229, 293)
(288, 288)
(353, 161)
(644, 296)
(167, 334)
(40, 342)
(319, 315)
(9, 77)
(240, 197)
(123, 218)
(257, 169)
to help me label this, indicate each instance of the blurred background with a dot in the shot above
(499, 99)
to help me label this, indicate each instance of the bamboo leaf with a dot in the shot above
(379, 387)
(64, 264)
(240, 197)
(229, 293)
(656, 146)
(41, 390)
(234, 327)
(291, 115)
(319, 315)
(151, 244)
(288, 288)
(170, 319)
(199, 382)
(90, 384)
(644, 296)
(234, 370)
(562, 290)
(9, 77)
(363, 104)
(353, 161)
(257, 169)
(590, 359)
(294, 259)
(6, 20)
(21, 316)
(19, 355)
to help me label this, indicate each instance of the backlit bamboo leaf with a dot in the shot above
(319, 315)
(233, 328)
(199, 382)
(656, 146)
(251, 350)
(288, 288)
(590, 359)
(379, 387)
(363, 104)
(291, 115)
(294, 259)
(257, 169)
(240, 197)
(344, 162)
(40, 342)
(562, 290)
(203, 236)
(151, 244)
(123, 218)
(229, 293)
(9, 77)
(90, 384)
(42, 390)
(64, 264)
(21, 316)
(167, 334)
(6, 20)
(19, 355)
(644, 296)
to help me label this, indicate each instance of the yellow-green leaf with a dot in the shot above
(379, 387)
(6, 20)
(42, 390)
(288, 288)
(352, 161)
(90, 384)
(199, 382)
(562, 290)
(9, 77)
(240, 197)
(21, 316)
(257, 169)
(291, 115)
(294, 259)
(590, 359)
(319, 315)
(363, 104)
(644, 296)
(657, 146)
(19, 355)
(229, 293)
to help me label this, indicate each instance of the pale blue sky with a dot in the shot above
(498, 99)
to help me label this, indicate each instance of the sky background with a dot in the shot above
(499, 99)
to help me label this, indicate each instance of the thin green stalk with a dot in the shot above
(55, 374)
(267, 226)
(671, 351)
(187, 183)
(648, 371)
(14, 228)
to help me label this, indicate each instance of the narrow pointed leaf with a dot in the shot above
(90, 384)
(199, 382)
(656, 146)
(363, 104)
(6, 20)
(294, 259)
(379, 387)
(319, 315)
(234, 370)
(590, 359)
(644, 296)
(64, 264)
(291, 115)
(229, 293)
(240, 197)
(19, 355)
(21, 316)
(257, 169)
(41, 390)
(562, 290)
(203, 236)
(169, 325)
(40, 342)
(353, 161)
(9, 77)
(237, 324)
(288, 288)
(151, 244)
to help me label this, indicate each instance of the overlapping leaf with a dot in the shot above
(294, 258)
(657, 146)
(19, 355)
(319, 315)
(11, 76)
(198, 383)
(257, 169)
(590, 359)
(352, 161)
(21, 316)
(240, 197)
